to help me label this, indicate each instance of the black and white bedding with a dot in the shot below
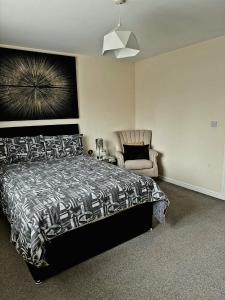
(44, 199)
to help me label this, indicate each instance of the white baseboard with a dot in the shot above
(194, 188)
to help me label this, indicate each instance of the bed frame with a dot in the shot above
(92, 239)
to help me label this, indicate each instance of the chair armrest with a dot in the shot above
(120, 158)
(153, 154)
(153, 157)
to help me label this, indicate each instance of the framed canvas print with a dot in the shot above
(37, 86)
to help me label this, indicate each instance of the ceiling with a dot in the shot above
(78, 26)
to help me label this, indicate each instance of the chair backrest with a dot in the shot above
(133, 137)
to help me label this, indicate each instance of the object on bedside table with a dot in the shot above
(110, 159)
(99, 148)
(91, 152)
(136, 138)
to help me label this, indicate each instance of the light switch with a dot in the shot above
(213, 123)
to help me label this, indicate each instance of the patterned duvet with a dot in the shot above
(45, 199)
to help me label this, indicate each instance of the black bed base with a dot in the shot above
(85, 242)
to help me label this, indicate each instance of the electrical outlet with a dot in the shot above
(213, 124)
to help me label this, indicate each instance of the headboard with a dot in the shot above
(39, 130)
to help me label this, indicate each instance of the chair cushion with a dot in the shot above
(138, 164)
(136, 152)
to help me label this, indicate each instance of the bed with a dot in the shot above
(66, 208)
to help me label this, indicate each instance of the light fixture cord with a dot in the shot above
(119, 22)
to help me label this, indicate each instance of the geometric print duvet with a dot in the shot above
(45, 199)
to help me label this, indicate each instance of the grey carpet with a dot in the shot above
(185, 259)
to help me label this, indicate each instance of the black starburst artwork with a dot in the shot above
(36, 86)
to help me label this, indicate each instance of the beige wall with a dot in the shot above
(177, 95)
(105, 95)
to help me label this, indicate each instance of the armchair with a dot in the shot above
(136, 137)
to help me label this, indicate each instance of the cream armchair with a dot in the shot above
(136, 137)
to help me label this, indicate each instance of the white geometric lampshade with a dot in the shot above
(121, 43)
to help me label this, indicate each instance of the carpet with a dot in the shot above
(183, 259)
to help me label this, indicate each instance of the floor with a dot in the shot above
(183, 259)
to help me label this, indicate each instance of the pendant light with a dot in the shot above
(121, 43)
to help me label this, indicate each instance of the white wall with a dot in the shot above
(177, 95)
(105, 95)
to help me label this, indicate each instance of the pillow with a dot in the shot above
(53, 146)
(63, 145)
(72, 144)
(36, 148)
(136, 152)
(14, 149)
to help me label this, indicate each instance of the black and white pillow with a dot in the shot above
(53, 147)
(72, 144)
(36, 148)
(14, 149)
(63, 145)
(17, 149)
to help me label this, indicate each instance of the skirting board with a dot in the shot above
(193, 187)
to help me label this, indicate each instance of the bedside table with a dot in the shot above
(111, 160)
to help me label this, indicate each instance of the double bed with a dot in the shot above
(64, 207)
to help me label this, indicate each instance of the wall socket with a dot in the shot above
(214, 124)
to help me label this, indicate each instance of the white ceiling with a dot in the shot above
(78, 26)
